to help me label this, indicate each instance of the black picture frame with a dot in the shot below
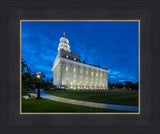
(148, 121)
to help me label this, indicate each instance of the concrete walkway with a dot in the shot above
(89, 104)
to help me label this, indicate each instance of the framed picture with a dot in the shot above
(32, 37)
(69, 83)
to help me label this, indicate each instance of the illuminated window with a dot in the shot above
(96, 74)
(87, 78)
(74, 76)
(66, 56)
(92, 74)
(100, 75)
(96, 84)
(87, 83)
(86, 72)
(74, 82)
(67, 82)
(74, 70)
(92, 84)
(81, 72)
(91, 78)
(66, 69)
(81, 77)
(74, 58)
(81, 83)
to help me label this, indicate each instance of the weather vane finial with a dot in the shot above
(63, 34)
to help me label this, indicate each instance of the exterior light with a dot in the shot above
(38, 74)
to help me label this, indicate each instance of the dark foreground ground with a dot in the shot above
(111, 97)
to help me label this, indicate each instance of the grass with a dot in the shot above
(44, 105)
(110, 97)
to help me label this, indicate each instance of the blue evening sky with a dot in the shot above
(111, 44)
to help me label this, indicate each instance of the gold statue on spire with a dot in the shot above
(63, 34)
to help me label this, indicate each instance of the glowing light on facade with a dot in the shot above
(92, 74)
(74, 70)
(66, 69)
(69, 70)
(81, 72)
(74, 82)
(86, 72)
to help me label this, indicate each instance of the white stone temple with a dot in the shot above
(70, 72)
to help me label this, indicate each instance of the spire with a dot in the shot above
(63, 34)
(64, 43)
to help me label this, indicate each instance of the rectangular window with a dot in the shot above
(66, 69)
(74, 70)
(101, 75)
(86, 72)
(74, 76)
(81, 77)
(81, 72)
(96, 74)
(92, 74)
(81, 83)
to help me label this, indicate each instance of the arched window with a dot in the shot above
(96, 84)
(74, 82)
(87, 83)
(67, 82)
(92, 74)
(92, 84)
(74, 70)
(81, 83)
(86, 72)
(66, 69)
(81, 71)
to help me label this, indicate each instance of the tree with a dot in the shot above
(26, 76)
(129, 84)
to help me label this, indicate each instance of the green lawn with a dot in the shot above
(110, 97)
(44, 105)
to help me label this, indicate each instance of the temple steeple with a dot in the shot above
(64, 43)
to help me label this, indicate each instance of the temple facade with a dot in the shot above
(71, 73)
